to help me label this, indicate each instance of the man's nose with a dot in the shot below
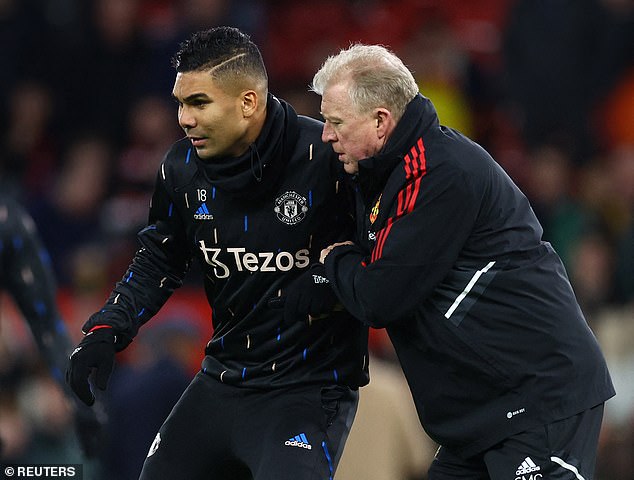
(186, 119)
(328, 134)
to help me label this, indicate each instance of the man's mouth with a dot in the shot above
(197, 141)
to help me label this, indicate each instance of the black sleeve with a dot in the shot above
(27, 275)
(432, 217)
(157, 269)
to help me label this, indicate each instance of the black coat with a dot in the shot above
(254, 223)
(479, 309)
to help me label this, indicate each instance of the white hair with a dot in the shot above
(376, 77)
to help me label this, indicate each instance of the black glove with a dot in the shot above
(310, 294)
(96, 351)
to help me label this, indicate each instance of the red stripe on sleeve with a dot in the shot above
(378, 248)
(408, 168)
(97, 327)
(415, 163)
(412, 199)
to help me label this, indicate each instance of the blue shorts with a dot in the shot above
(224, 432)
(563, 450)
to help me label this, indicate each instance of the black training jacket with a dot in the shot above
(254, 224)
(26, 274)
(479, 309)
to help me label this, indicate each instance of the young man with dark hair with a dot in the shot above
(252, 195)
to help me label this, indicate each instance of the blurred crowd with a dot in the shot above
(546, 86)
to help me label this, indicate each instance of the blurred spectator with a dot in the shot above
(440, 66)
(69, 214)
(50, 417)
(550, 191)
(616, 115)
(29, 150)
(38, 420)
(624, 272)
(10, 35)
(247, 15)
(621, 167)
(592, 274)
(615, 331)
(106, 69)
(166, 23)
(151, 130)
(15, 431)
(561, 56)
(26, 43)
(292, 52)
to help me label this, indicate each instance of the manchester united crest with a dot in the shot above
(290, 208)
(375, 210)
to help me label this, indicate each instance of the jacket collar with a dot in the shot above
(419, 116)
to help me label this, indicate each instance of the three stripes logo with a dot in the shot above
(527, 466)
(203, 213)
(299, 441)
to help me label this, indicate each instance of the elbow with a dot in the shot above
(379, 313)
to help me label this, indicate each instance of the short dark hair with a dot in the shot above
(226, 51)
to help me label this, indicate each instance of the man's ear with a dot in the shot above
(384, 122)
(249, 103)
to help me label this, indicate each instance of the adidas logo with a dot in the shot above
(527, 466)
(299, 441)
(203, 213)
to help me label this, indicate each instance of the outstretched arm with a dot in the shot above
(157, 269)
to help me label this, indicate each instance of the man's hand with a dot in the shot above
(310, 294)
(327, 250)
(95, 351)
